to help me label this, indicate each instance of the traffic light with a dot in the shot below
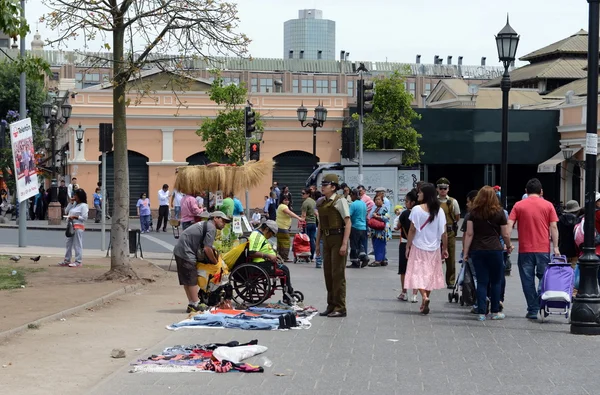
(249, 121)
(367, 96)
(349, 143)
(255, 151)
(105, 138)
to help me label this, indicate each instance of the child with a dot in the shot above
(403, 225)
(397, 211)
(256, 217)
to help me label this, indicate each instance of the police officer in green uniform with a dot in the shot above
(334, 228)
(452, 211)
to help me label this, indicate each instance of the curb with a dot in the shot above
(73, 310)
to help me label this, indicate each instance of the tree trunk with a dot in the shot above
(120, 265)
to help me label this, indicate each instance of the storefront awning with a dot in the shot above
(549, 166)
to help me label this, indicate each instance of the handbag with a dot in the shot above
(70, 231)
(376, 223)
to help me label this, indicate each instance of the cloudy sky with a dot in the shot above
(397, 30)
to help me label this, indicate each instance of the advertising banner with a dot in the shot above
(21, 139)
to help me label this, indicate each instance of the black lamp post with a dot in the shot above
(318, 120)
(53, 118)
(79, 134)
(585, 314)
(507, 42)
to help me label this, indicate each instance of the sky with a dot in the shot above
(398, 30)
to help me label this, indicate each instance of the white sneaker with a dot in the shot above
(414, 299)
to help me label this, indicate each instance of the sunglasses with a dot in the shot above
(442, 188)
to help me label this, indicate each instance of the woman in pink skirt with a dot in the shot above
(427, 231)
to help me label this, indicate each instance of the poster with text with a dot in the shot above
(21, 139)
(407, 180)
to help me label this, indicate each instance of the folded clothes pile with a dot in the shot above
(254, 318)
(214, 357)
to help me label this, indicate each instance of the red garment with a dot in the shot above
(533, 216)
(597, 220)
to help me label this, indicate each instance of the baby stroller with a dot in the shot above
(556, 288)
(301, 246)
(465, 283)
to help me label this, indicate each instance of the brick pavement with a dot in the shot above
(446, 352)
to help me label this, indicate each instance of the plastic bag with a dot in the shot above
(238, 354)
(70, 231)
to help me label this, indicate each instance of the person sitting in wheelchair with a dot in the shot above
(261, 251)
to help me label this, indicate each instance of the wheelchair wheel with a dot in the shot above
(251, 284)
(299, 296)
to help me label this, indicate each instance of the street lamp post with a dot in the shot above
(586, 306)
(50, 111)
(507, 42)
(318, 120)
(79, 136)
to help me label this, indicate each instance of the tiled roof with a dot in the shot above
(578, 87)
(576, 44)
(563, 68)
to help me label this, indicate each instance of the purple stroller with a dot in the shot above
(556, 288)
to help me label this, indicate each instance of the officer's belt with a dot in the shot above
(330, 232)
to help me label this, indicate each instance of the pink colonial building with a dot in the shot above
(162, 136)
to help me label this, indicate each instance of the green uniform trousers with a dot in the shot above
(451, 260)
(334, 270)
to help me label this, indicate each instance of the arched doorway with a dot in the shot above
(199, 158)
(292, 168)
(138, 178)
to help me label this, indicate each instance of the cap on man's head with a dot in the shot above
(597, 196)
(330, 178)
(380, 189)
(272, 225)
(497, 188)
(220, 214)
(443, 182)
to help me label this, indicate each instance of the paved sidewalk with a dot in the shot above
(6, 249)
(386, 347)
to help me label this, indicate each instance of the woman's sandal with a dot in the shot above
(375, 264)
(425, 306)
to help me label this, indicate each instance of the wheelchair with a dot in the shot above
(253, 283)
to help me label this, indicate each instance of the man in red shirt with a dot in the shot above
(536, 220)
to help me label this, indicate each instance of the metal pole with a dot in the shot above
(104, 200)
(505, 86)
(586, 305)
(360, 132)
(247, 195)
(53, 183)
(315, 124)
(23, 115)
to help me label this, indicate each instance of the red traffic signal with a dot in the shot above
(255, 151)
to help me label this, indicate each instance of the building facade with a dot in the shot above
(309, 37)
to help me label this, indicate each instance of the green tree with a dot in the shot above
(143, 34)
(9, 103)
(225, 135)
(390, 123)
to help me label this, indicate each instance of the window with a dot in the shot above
(295, 86)
(308, 86)
(79, 81)
(231, 80)
(92, 77)
(254, 85)
(350, 86)
(322, 86)
(411, 88)
(266, 85)
(427, 89)
(105, 78)
(334, 86)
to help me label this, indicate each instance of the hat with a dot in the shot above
(220, 214)
(572, 206)
(597, 196)
(330, 178)
(443, 181)
(398, 207)
(497, 188)
(380, 189)
(204, 214)
(272, 225)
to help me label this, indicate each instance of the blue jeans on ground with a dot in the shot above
(379, 246)
(531, 265)
(311, 231)
(145, 223)
(229, 321)
(489, 266)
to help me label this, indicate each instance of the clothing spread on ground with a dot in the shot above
(213, 358)
(268, 317)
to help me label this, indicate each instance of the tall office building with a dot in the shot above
(309, 37)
